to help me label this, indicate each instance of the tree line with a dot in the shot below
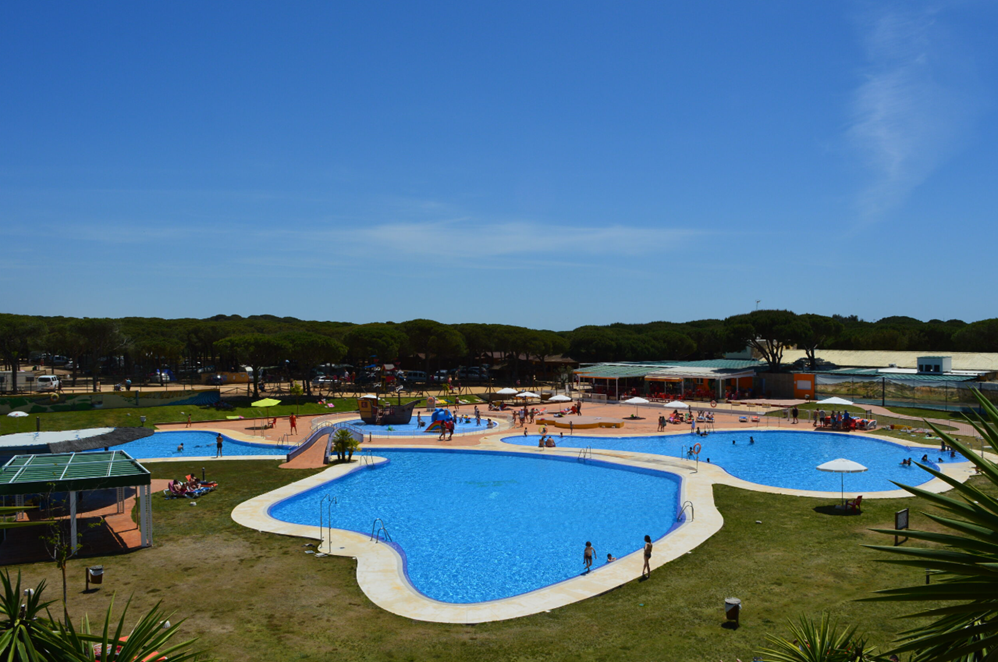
(135, 345)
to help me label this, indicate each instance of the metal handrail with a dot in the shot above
(376, 533)
(584, 454)
(686, 504)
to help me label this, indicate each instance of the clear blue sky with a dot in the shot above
(543, 164)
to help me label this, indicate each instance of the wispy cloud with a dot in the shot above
(914, 107)
(469, 240)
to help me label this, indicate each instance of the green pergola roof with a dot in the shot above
(625, 370)
(68, 472)
(617, 371)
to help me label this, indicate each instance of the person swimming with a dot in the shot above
(751, 440)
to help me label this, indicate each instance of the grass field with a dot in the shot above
(258, 596)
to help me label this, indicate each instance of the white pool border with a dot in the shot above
(380, 568)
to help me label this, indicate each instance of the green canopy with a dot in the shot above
(266, 402)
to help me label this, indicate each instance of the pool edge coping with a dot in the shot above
(380, 568)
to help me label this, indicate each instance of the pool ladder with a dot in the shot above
(376, 532)
(682, 511)
(329, 501)
(366, 458)
(585, 454)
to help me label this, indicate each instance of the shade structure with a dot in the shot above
(506, 391)
(635, 401)
(842, 466)
(17, 414)
(676, 404)
(368, 397)
(836, 401)
(266, 403)
(559, 398)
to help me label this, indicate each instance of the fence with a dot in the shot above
(945, 396)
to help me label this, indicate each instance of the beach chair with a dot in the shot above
(855, 504)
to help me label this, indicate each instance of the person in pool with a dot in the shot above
(610, 558)
(587, 556)
(180, 448)
(925, 458)
(751, 440)
(419, 420)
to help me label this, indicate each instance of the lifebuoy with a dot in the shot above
(54, 397)
(713, 403)
(696, 449)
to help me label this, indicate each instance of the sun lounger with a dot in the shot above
(855, 504)
(743, 419)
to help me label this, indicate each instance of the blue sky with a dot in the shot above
(544, 164)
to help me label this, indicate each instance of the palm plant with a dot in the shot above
(963, 560)
(344, 444)
(818, 642)
(26, 633)
(149, 639)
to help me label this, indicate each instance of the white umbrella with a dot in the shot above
(559, 398)
(368, 397)
(635, 402)
(17, 414)
(842, 466)
(527, 394)
(836, 401)
(506, 391)
(676, 404)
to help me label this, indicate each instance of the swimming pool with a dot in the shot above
(782, 459)
(412, 428)
(474, 526)
(196, 444)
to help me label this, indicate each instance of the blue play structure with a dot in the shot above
(439, 417)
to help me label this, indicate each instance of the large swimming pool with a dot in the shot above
(476, 526)
(196, 444)
(413, 429)
(780, 458)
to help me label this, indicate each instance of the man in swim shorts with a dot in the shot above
(218, 445)
(646, 571)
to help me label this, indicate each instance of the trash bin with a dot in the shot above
(95, 575)
(732, 609)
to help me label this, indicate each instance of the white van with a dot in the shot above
(48, 383)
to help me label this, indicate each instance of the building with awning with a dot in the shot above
(708, 379)
(71, 473)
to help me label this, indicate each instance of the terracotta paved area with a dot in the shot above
(116, 534)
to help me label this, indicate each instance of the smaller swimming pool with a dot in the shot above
(196, 444)
(780, 458)
(413, 429)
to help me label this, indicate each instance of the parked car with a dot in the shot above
(323, 381)
(415, 376)
(48, 383)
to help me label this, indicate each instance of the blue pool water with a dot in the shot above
(196, 444)
(412, 429)
(477, 526)
(781, 459)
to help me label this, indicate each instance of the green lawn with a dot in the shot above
(882, 421)
(258, 596)
(928, 413)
